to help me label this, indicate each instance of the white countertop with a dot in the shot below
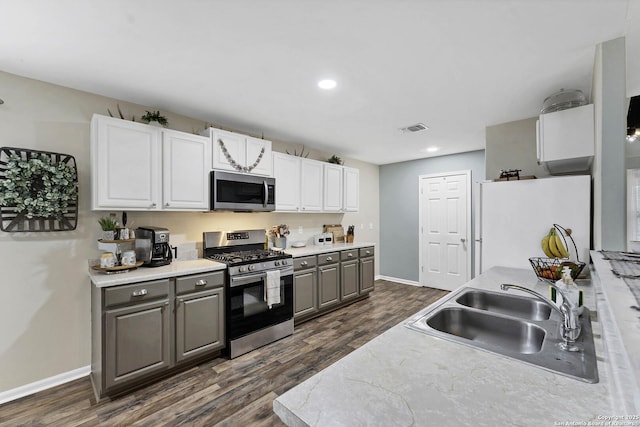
(181, 268)
(314, 250)
(142, 274)
(621, 328)
(403, 377)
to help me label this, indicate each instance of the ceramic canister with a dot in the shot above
(107, 260)
(128, 258)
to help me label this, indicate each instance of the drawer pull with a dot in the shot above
(350, 255)
(367, 252)
(201, 282)
(329, 258)
(304, 263)
(140, 293)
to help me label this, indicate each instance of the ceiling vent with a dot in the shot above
(415, 128)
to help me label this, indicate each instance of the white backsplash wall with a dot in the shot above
(186, 228)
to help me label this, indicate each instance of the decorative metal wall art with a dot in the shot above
(38, 191)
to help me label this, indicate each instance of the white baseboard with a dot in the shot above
(397, 280)
(25, 390)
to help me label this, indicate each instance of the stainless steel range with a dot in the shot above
(259, 289)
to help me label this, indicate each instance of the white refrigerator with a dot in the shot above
(514, 216)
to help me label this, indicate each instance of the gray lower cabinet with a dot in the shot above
(305, 286)
(143, 330)
(137, 342)
(349, 278)
(198, 326)
(137, 334)
(349, 283)
(367, 270)
(328, 280)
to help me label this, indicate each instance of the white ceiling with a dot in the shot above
(455, 65)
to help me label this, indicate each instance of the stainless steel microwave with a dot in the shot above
(241, 193)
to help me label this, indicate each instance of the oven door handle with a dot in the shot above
(244, 280)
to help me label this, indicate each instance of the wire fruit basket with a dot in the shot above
(550, 269)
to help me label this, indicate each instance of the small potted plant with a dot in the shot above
(153, 117)
(335, 160)
(108, 225)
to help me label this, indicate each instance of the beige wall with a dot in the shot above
(45, 302)
(512, 146)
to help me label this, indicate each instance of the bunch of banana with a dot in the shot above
(553, 246)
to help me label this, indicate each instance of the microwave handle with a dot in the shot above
(266, 193)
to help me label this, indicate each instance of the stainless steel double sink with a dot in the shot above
(518, 327)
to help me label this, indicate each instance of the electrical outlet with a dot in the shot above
(370, 226)
(300, 230)
(361, 226)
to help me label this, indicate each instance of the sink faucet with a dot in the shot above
(570, 325)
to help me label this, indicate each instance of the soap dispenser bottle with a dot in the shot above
(568, 288)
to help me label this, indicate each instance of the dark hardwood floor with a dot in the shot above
(225, 392)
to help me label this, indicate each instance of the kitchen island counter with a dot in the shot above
(143, 274)
(403, 377)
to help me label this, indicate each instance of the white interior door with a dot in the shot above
(445, 224)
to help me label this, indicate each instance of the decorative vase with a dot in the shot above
(108, 235)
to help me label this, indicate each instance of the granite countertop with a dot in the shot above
(314, 250)
(403, 377)
(142, 274)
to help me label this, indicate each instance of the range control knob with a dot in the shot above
(284, 262)
(252, 267)
(243, 269)
(277, 263)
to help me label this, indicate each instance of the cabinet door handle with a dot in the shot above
(140, 293)
(153, 205)
(166, 204)
(201, 282)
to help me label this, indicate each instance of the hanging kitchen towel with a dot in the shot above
(273, 287)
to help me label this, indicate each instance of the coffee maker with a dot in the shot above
(152, 246)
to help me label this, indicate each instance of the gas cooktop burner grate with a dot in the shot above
(250, 255)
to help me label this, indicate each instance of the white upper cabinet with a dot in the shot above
(140, 167)
(332, 200)
(233, 143)
(125, 164)
(351, 177)
(566, 139)
(257, 148)
(286, 170)
(233, 150)
(304, 185)
(185, 171)
(311, 184)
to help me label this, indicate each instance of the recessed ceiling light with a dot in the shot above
(327, 84)
(432, 149)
